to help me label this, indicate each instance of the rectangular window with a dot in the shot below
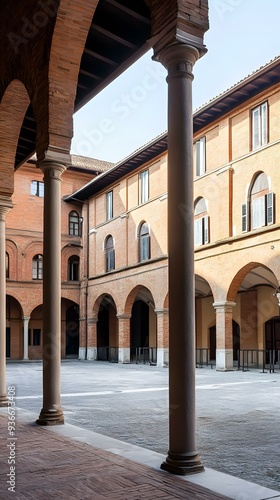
(200, 162)
(258, 212)
(109, 205)
(259, 126)
(144, 186)
(36, 336)
(201, 231)
(37, 188)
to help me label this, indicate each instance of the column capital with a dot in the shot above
(178, 59)
(92, 321)
(227, 305)
(162, 311)
(123, 316)
(5, 206)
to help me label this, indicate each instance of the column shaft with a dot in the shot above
(4, 208)
(162, 337)
(25, 337)
(92, 339)
(182, 456)
(224, 352)
(124, 337)
(51, 412)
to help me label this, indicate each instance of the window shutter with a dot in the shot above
(206, 229)
(264, 123)
(244, 218)
(145, 242)
(270, 208)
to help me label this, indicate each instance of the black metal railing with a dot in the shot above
(145, 355)
(110, 354)
(262, 359)
(202, 358)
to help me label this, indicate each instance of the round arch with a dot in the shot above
(13, 106)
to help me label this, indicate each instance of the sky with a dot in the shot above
(243, 36)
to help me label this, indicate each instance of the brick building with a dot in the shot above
(123, 272)
(25, 262)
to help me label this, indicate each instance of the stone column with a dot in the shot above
(25, 337)
(182, 455)
(92, 339)
(224, 349)
(124, 337)
(52, 412)
(162, 337)
(5, 206)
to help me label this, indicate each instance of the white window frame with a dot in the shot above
(109, 205)
(200, 157)
(259, 126)
(37, 188)
(144, 186)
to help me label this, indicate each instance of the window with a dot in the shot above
(144, 242)
(109, 205)
(109, 254)
(144, 186)
(34, 337)
(259, 126)
(74, 224)
(73, 268)
(259, 210)
(201, 223)
(7, 265)
(200, 163)
(37, 188)
(37, 267)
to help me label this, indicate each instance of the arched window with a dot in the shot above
(74, 224)
(73, 268)
(144, 242)
(259, 210)
(7, 265)
(37, 267)
(109, 253)
(201, 223)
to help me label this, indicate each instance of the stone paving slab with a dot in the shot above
(49, 466)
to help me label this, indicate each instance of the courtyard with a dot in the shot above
(237, 412)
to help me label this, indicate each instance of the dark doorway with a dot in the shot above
(272, 338)
(139, 326)
(235, 341)
(8, 342)
(72, 331)
(103, 325)
(213, 346)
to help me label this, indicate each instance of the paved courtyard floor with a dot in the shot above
(238, 418)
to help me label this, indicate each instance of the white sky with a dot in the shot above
(243, 35)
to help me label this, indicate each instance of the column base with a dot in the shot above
(92, 353)
(182, 464)
(3, 401)
(162, 356)
(51, 417)
(124, 355)
(224, 360)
